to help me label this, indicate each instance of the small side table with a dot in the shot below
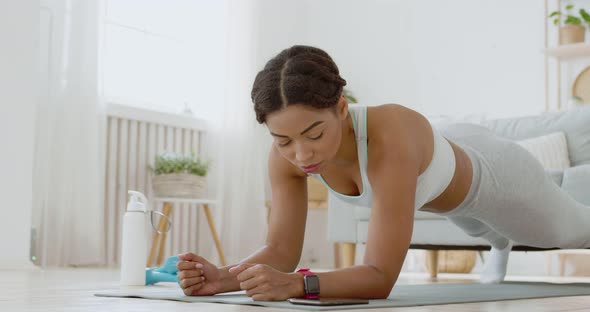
(160, 239)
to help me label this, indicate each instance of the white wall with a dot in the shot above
(19, 33)
(454, 57)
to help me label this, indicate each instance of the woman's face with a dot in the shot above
(308, 137)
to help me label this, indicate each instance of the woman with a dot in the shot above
(388, 158)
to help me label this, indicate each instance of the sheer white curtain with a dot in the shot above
(68, 162)
(240, 145)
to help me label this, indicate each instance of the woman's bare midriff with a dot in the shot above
(457, 190)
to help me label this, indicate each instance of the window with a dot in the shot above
(163, 54)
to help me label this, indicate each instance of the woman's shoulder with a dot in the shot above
(399, 129)
(392, 119)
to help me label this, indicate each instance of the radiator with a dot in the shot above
(134, 137)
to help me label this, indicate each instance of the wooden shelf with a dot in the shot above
(574, 50)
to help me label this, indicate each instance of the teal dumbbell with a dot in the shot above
(165, 273)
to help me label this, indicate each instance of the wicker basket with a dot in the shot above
(183, 185)
(455, 261)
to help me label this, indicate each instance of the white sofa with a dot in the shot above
(348, 224)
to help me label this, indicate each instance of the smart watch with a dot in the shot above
(311, 284)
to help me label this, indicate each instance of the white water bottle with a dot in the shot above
(134, 248)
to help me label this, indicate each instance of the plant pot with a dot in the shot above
(571, 34)
(183, 185)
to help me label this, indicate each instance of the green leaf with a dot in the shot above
(348, 95)
(585, 15)
(554, 13)
(572, 20)
(556, 21)
(569, 6)
(176, 163)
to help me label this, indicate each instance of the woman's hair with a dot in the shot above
(297, 75)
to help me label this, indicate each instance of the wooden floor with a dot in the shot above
(73, 289)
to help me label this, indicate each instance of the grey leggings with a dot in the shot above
(511, 196)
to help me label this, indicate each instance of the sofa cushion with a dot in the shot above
(575, 123)
(430, 232)
(550, 150)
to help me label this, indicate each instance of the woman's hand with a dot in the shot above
(264, 283)
(197, 276)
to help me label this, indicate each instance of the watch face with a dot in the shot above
(312, 284)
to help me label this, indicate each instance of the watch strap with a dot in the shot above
(306, 274)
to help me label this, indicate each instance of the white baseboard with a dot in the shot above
(24, 267)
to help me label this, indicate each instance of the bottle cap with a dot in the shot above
(137, 202)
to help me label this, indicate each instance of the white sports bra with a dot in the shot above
(431, 183)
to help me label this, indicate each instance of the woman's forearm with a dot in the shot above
(359, 281)
(265, 255)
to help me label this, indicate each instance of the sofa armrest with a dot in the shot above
(576, 182)
(342, 220)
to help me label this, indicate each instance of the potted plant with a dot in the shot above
(176, 175)
(349, 97)
(572, 30)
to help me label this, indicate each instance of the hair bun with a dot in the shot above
(297, 75)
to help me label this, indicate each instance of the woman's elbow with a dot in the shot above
(384, 291)
(387, 282)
